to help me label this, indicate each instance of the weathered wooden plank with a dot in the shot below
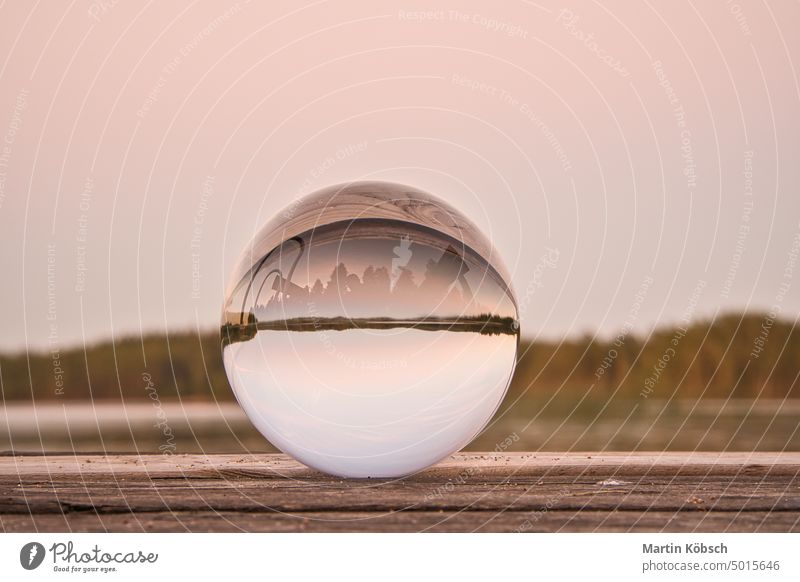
(492, 492)
(409, 521)
(505, 464)
(780, 494)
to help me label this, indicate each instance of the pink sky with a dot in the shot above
(143, 145)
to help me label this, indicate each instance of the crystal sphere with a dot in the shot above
(369, 330)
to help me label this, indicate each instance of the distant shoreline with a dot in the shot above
(484, 325)
(712, 360)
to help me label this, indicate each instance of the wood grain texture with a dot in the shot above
(467, 492)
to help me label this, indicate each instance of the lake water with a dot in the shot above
(192, 427)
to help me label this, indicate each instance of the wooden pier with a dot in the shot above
(509, 492)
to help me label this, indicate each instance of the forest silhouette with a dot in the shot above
(378, 292)
(378, 299)
(713, 359)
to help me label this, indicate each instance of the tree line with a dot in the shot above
(709, 359)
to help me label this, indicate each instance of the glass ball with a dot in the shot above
(370, 330)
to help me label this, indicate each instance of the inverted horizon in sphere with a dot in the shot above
(374, 345)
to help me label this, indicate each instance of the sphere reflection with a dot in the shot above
(369, 330)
